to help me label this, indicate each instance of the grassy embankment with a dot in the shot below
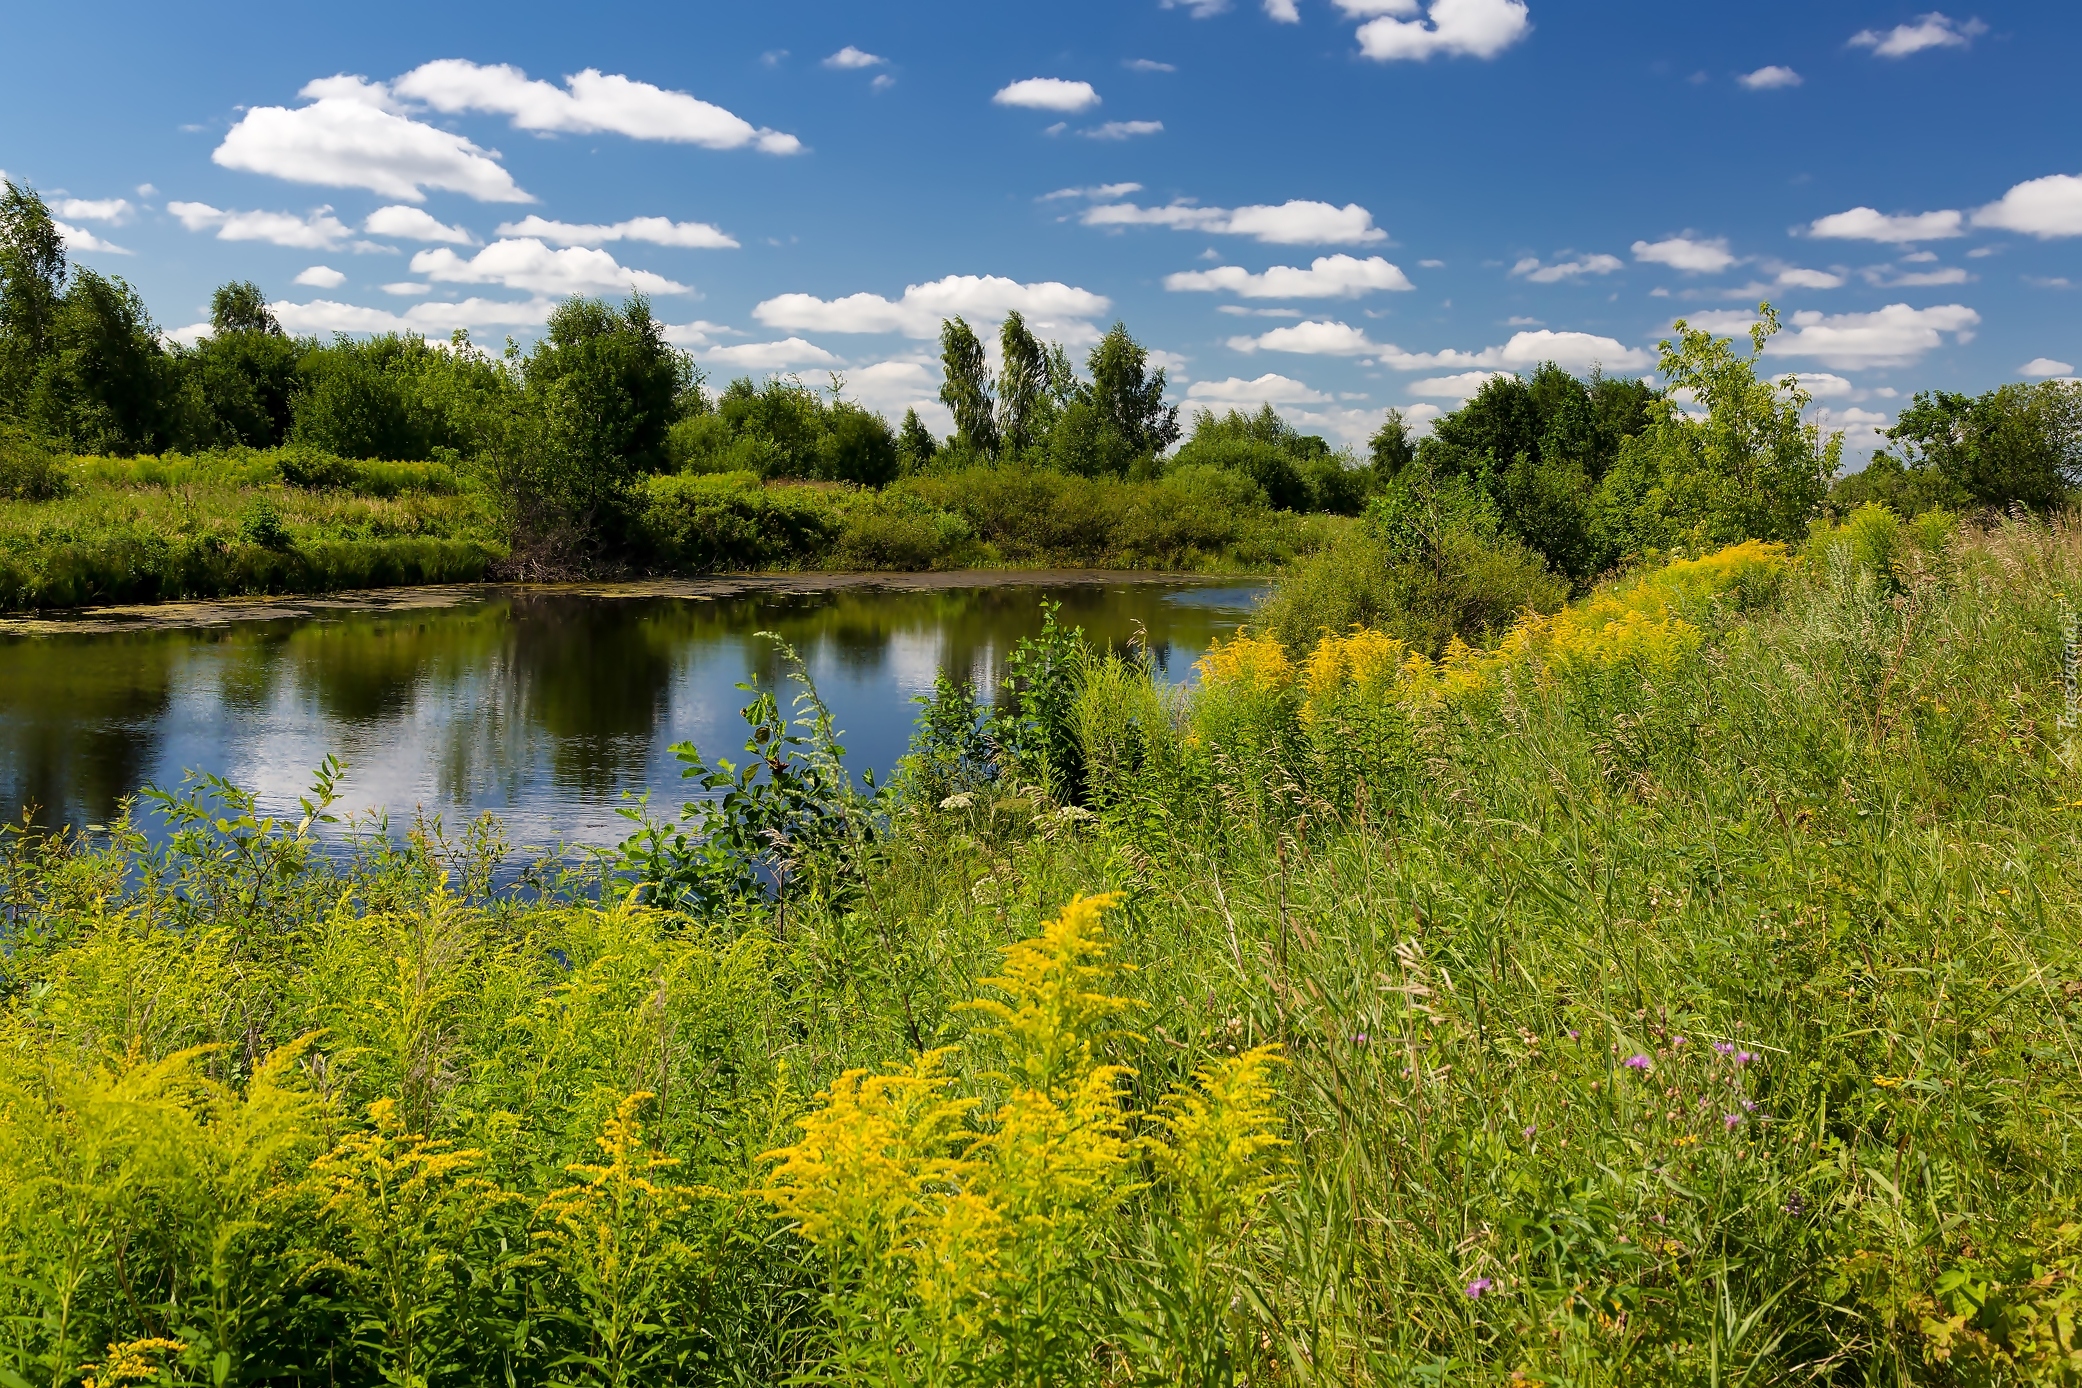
(1685, 990)
(129, 530)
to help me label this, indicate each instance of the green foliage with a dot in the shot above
(965, 386)
(916, 446)
(1679, 991)
(28, 470)
(1036, 737)
(1025, 407)
(32, 280)
(785, 430)
(103, 381)
(1431, 564)
(1538, 447)
(2016, 445)
(1750, 469)
(789, 819)
(703, 523)
(1295, 471)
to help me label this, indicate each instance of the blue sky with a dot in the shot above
(1342, 205)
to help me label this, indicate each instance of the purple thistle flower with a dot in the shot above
(1724, 1047)
(1359, 1038)
(1744, 1057)
(1572, 1033)
(1748, 1106)
(1530, 1131)
(1478, 1288)
(1677, 1040)
(1733, 1120)
(1636, 1062)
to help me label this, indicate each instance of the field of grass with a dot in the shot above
(1685, 990)
(142, 529)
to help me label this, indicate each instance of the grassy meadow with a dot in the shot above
(1683, 988)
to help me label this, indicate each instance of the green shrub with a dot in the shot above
(1424, 571)
(901, 530)
(28, 470)
(705, 522)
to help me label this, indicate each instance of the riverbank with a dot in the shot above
(173, 615)
(1683, 989)
(120, 531)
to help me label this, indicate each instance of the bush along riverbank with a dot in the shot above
(1679, 986)
(294, 521)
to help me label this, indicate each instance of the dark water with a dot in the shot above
(542, 706)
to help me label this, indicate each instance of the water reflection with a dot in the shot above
(542, 706)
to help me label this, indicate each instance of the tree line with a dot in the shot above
(1581, 474)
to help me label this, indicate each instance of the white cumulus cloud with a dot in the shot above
(1860, 428)
(770, 356)
(1297, 222)
(345, 141)
(2042, 207)
(321, 277)
(321, 231)
(322, 316)
(80, 241)
(114, 211)
(414, 224)
(589, 102)
(1327, 277)
(1531, 269)
(526, 263)
(899, 384)
(1896, 335)
(1282, 11)
(1456, 387)
(850, 58)
(1870, 224)
(1572, 350)
(1051, 308)
(1687, 253)
(2045, 366)
(1048, 94)
(1933, 30)
(1315, 338)
(1796, 277)
(1772, 78)
(1473, 28)
(658, 231)
(1268, 389)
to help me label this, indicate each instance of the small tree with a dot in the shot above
(606, 387)
(965, 388)
(1750, 469)
(915, 444)
(240, 307)
(1128, 395)
(1024, 411)
(32, 277)
(1390, 449)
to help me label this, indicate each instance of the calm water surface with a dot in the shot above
(540, 705)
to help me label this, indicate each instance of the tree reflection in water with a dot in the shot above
(541, 706)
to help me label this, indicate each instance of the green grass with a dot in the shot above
(145, 529)
(1835, 835)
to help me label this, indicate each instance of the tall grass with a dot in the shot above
(1682, 990)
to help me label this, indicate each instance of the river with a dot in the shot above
(543, 705)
